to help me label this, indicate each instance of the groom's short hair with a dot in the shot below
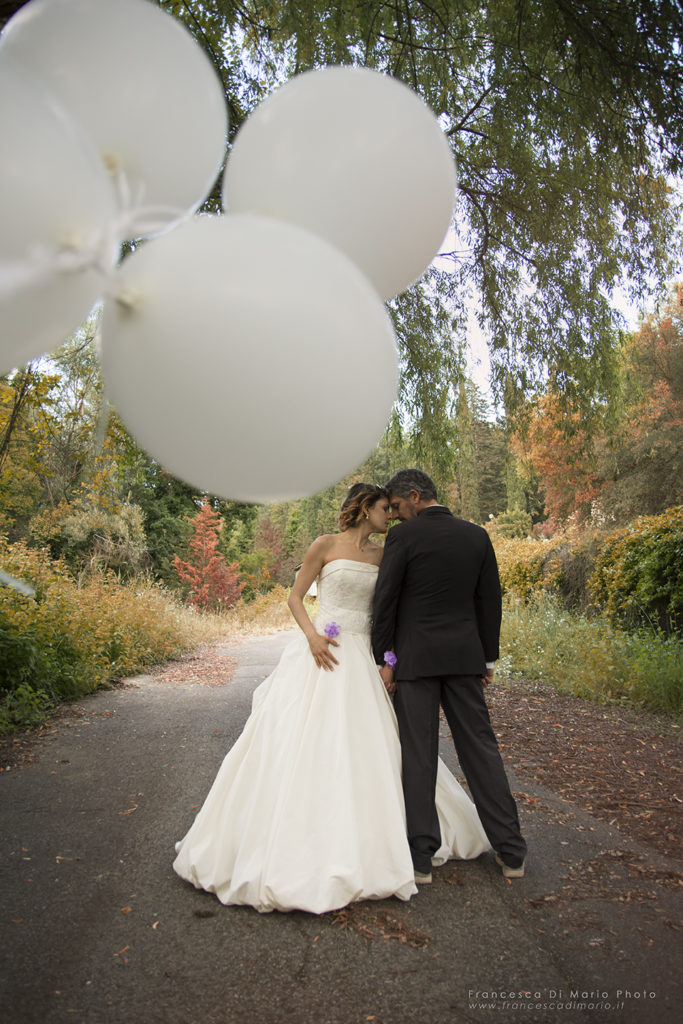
(407, 480)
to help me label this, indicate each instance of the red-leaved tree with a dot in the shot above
(214, 585)
(563, 456)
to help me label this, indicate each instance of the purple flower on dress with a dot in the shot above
(332, 630)
(390, 659)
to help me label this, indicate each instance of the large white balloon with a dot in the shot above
(56, 202)
(144, 90)
(249, 356)
(355, 156)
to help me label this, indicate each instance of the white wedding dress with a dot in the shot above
(306, 811)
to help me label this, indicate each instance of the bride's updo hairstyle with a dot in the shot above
(358, 501)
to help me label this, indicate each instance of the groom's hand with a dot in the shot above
(387, 675)
(487, 678)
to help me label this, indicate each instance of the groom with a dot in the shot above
(437, 606)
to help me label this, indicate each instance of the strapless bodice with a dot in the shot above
(345, 591)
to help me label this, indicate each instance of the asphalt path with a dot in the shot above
(96, 927)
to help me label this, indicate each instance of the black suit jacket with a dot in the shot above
(437, 603)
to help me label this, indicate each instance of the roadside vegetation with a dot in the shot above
(75, 635)
(599, 617)
(573, 463)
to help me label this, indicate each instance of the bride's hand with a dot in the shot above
(320, 649)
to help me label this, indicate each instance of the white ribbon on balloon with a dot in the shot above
(133, 220)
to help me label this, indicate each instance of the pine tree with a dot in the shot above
(214, 585)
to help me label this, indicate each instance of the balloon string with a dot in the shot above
(134, 219)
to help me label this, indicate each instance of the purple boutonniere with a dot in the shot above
(390, 659)
(332, 630)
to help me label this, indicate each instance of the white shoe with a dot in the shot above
(509, 872)
(421, 879)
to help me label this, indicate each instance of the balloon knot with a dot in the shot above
(127, 299)
(111, 163)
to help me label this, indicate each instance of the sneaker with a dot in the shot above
(421, 879)
(510, 872)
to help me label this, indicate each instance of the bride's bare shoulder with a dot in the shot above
(322, 545)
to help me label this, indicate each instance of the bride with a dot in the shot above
(306, 811)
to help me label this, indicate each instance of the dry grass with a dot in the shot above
(197, 627)
(267, 613)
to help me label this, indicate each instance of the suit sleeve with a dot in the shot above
(387, 592)
(488, 604)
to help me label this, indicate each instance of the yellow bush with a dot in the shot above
(634, 575)
(74, 635)
(527, 566)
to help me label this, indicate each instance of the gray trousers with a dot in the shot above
(417, 709)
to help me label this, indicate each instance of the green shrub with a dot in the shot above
(23, 708)
(638, 574)
(633, 575)
(88, 537)
(514, 523)
(39, 653)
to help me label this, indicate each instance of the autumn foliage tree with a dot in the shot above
(629, 461)
(560, 452)
(642, 470)
(214, 585)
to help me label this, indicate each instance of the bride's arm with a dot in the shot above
(310, 570)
